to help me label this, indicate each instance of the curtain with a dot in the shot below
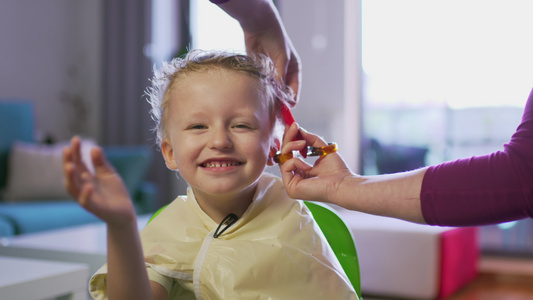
(127, 70)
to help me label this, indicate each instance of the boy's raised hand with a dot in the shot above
(102, 193)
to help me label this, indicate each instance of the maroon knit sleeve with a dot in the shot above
(481, 190)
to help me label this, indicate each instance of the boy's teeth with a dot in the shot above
(220, 164)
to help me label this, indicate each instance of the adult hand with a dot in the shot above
(102, 193)
(265, 33)
(318, 182)
(279, 48)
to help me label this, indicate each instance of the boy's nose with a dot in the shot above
(220, 139)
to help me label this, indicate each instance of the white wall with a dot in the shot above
(51, 50)
(326, 35)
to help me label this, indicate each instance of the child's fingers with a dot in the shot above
(67, 162)
(75, 180)
(75, 146)
(100, 163)
(69, 171)
(85, 195)
(74, 170)
(69, 179)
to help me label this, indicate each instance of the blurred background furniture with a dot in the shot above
(25, 165)
(32, 279)
(405, 260)
(86, 244)
(392, 158)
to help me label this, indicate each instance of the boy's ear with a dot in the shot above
(273, 150)
(168, 155)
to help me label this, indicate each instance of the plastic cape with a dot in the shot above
(274, 251)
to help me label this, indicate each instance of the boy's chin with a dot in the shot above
(225, 190)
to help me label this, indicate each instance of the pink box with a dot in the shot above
(412, 261)
(459, 257)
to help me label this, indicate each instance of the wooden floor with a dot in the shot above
(499, 279)
(497, 287)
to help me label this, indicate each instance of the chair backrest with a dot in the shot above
(156, 213)
(338, 236)
(340, 240)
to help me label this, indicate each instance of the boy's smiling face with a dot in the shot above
(218, 132)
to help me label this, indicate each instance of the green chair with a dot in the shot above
(338, 236)
(340, 240)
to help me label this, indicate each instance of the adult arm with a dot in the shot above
(105, 195)
(480, 190)
(488, 189)
(330, 180)
(265, 33)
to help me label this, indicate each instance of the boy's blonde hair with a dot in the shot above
(259, 67)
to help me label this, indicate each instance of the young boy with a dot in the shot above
(236, 234)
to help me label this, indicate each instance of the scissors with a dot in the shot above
(311, 151)
(288, 119)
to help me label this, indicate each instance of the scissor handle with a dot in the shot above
(311, 151)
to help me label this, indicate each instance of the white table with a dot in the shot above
(80, 244)
(30, 279)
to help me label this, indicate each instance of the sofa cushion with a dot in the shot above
(36, 171)
(28, 217)
(16, 124)
(6, 228)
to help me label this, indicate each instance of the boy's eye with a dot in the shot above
(242, 126)
(197, 126)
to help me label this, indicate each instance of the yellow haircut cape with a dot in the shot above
(274, 251)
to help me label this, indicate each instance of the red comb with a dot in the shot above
(288, 119)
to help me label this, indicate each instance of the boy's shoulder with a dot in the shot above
(270, 188)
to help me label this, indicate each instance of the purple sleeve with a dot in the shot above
(217, 2)
(487, 189)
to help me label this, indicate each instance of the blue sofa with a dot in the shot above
(27, 216)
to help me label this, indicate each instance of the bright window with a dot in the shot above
(164, 32)
(212, 28)
(458, 53)
(450, 76)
